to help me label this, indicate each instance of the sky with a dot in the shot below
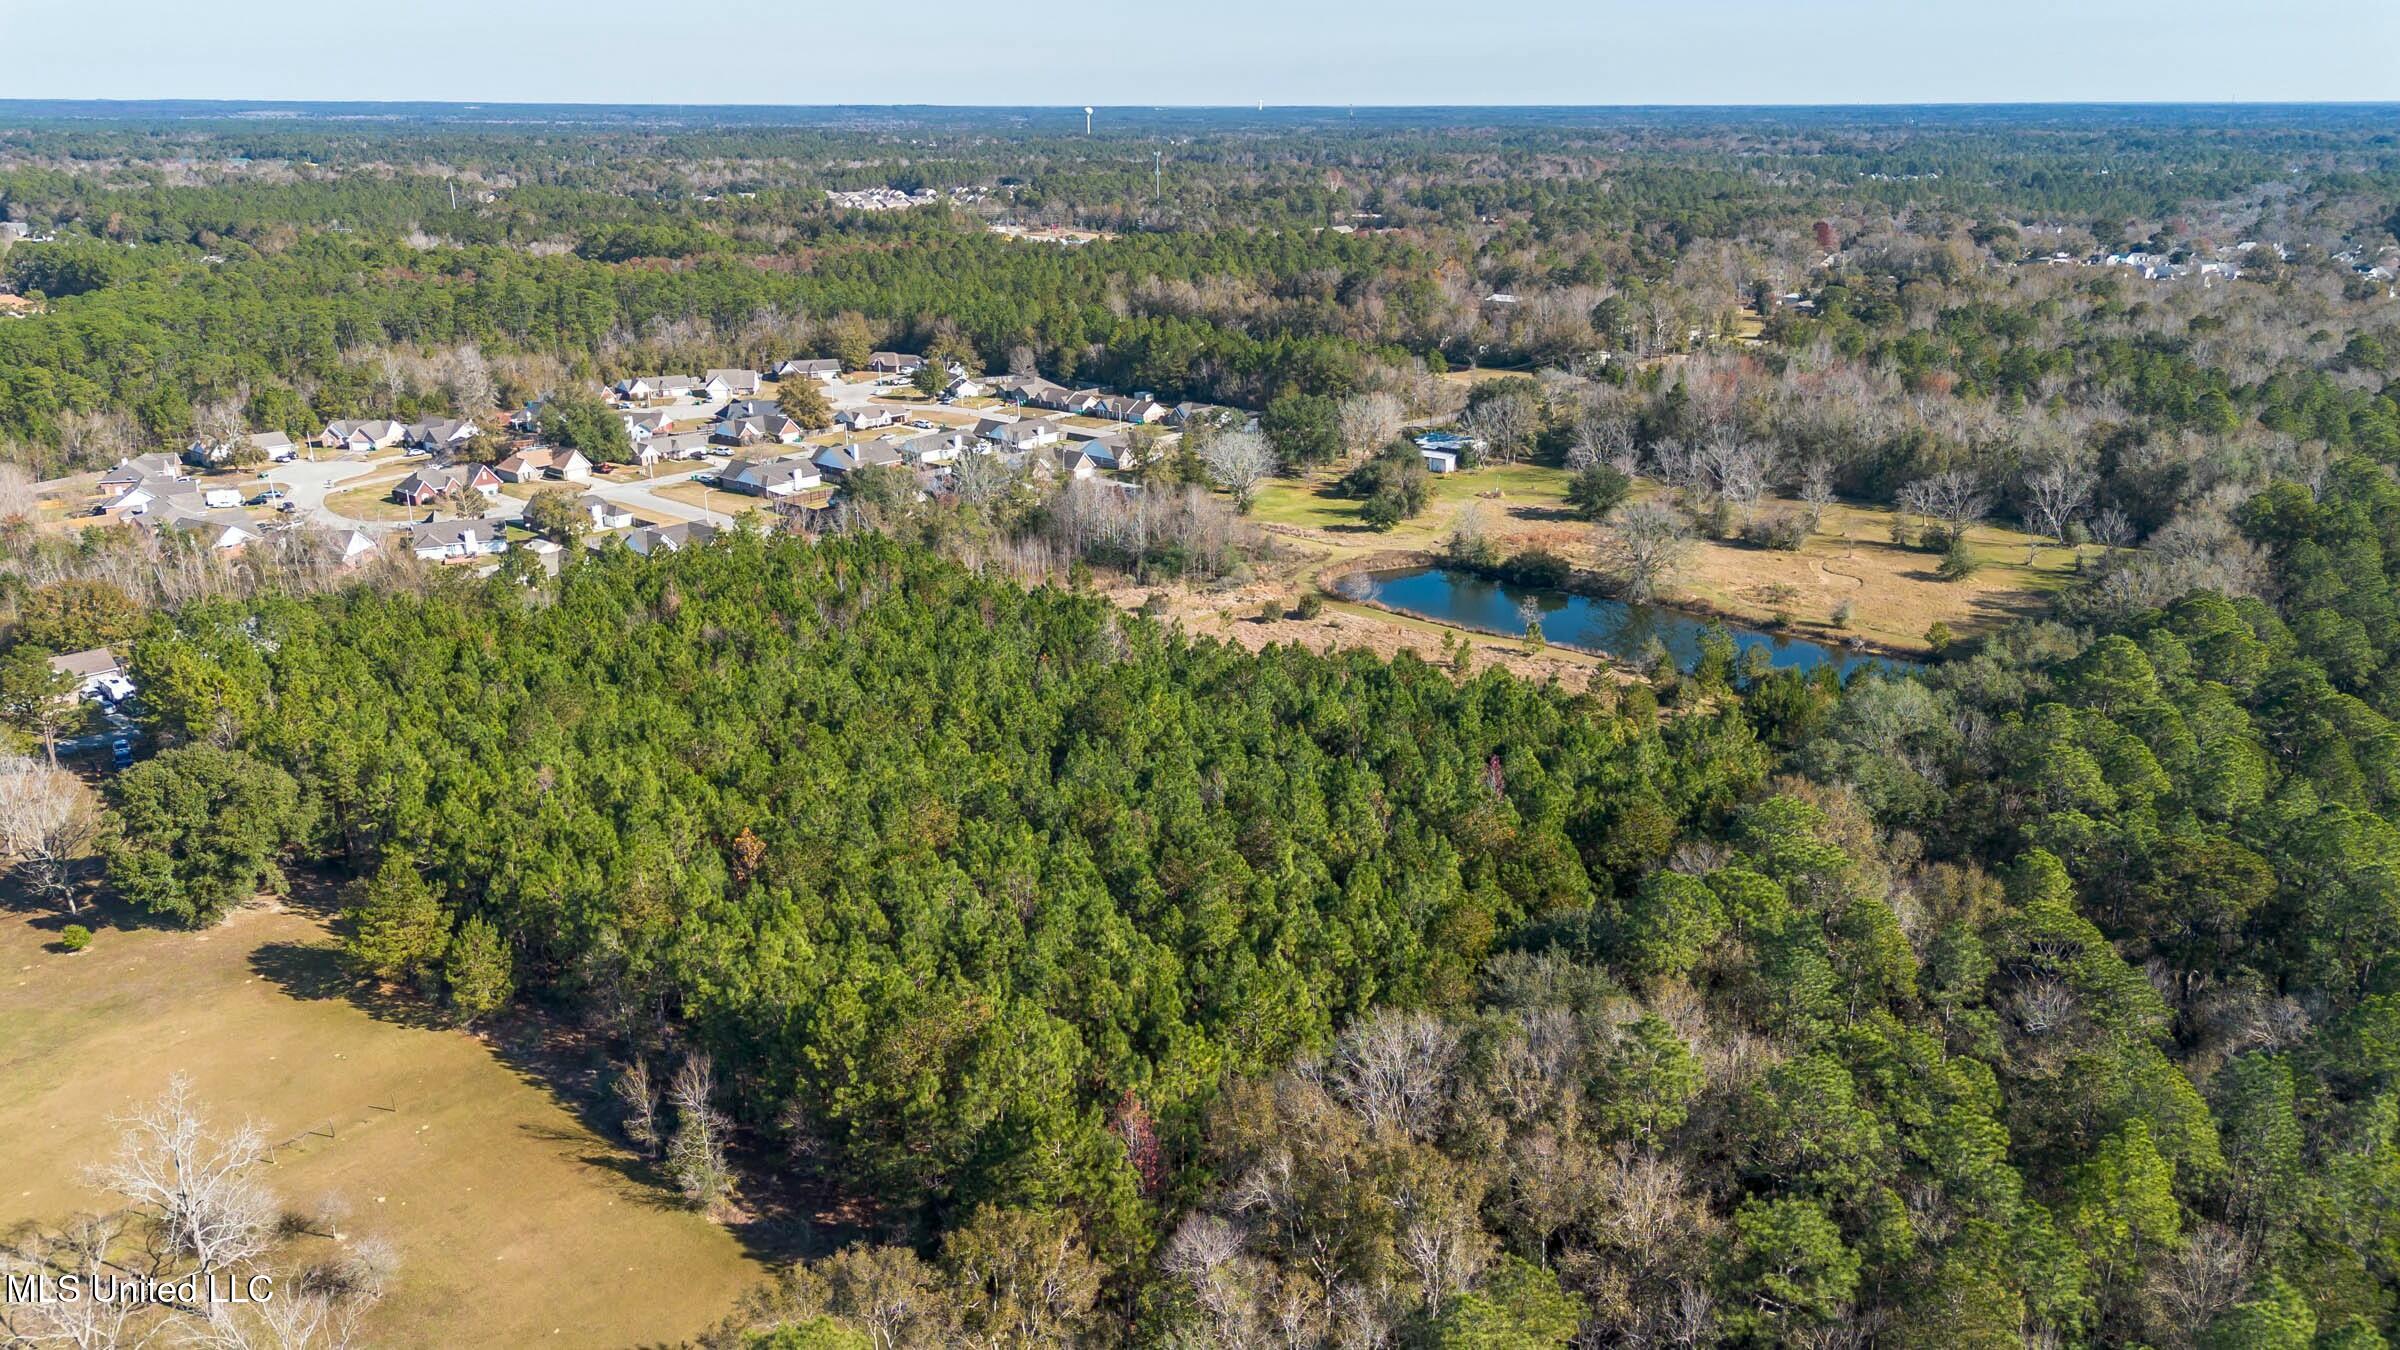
(1220, 52)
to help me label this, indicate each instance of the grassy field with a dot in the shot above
(1892, 592)
(371, 500)
(516, 1223)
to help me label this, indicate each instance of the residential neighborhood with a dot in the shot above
(704, 448)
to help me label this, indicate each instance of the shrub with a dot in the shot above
(1785, 531)
(1155, 604)
(1598, 489)
(74, 937)
(1938, 637)
(1312, 606)
(1537, 567)
(1270, 609)
(1841, 614)
(1958, 562)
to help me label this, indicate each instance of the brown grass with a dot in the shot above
(516, 1223)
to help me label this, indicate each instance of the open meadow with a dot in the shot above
(516, 1224)
(1892, 592)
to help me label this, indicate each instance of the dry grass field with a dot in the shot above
(516, 1223)
(1892, 592)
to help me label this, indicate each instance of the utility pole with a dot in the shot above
(1158, 175)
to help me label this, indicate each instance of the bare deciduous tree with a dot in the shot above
(18, 499)
(1237, 461)
(696, 1155)
(195, 1182)
(1953, 497)
(48, 820)
(1370, 421)
(1394, 1071)
(1647, 544)
(2055, 494)
(637, 1096)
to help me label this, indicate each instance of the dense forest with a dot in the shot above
(1300, 994)
(1131, 987)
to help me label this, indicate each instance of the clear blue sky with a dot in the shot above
(1213, 52)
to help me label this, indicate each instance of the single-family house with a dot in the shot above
(965, 386)
(933, 447)
(778, 477)
(1107, 449)
(605, 514)
(153, 494)
(220, 498)
(350, 546)
(866, 419)
(651, 539)
(1025, 433)
(142, 468)
(273, 446)
(650, 388)
(839, 461)
(1139, 409)
(96, 673)
(737, 383)
(824, 370)
(436, 481)
(681, 445)
(453, 540)
(643, 423)
(221, 530)
(895, 363)
(1084, 402)
(362, 437)
(439, 435)
(1439, 461)
(536, 462)
(1077, 464)
(759, 428)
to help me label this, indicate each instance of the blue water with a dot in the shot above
(1610, 627)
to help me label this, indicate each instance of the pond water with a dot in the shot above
(1592, 623)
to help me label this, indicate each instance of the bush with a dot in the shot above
(1938, 637)
(1155, 604)
(1312, 606)
(74, 937)
(1785, 531)
(1597, 490)
(1841, 614)
(1270, 609)
(1537, 567)
(1958, 562)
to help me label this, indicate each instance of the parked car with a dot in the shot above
(120, 752)
(287, 505)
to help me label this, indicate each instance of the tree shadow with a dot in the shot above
(314, 971)
(792, 1212)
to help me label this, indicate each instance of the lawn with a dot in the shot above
(516, 1223)
(370, 503)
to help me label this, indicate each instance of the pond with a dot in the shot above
(1610, 627)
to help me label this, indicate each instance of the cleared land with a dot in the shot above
(516, 1223)
(1893, 594)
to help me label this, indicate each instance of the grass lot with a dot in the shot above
(516, 1224)
(1892, 592)
(370, 501)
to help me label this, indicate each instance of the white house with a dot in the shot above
(1439, 461)
(96, 672)
(451, 540)
(825, 370)
(605, 514)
